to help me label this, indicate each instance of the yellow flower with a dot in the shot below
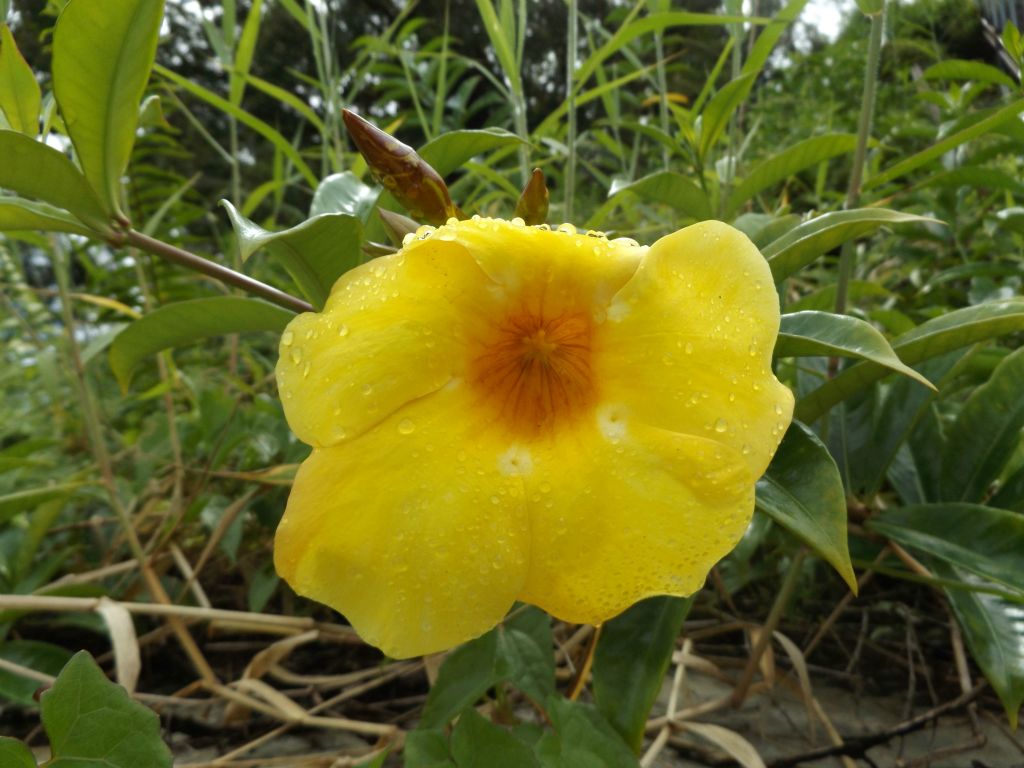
(501, 413)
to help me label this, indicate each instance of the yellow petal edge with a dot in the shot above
(501, 412)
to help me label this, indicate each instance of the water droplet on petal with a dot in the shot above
(343, 330)
(721, 425)
(287, 338)
(296, 355)
(406, 427)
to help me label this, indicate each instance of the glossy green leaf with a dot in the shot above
(810, 334)
(953, 330)
(824, 299)
(626, 683)
(525, 649)
(20, 97)
(803, 492)
(43, 657)
(92, 722)
(14, 754)
(464, 677)
(427, 749)
(450, 150)
(984, 540)
(35, 170)
(581, 738)
(186, 322)
(788, 162)
(806, 242)
(16, 213)
(993, 628)
(985, 434)
(103, 51)
(963, 69)
(672, 189)
(1011, 493)
(940, 148)
(344, 193)
(479, 743)
(271, 134)
(315, 252)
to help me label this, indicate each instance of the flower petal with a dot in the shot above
(548, 270)
(412, 530)
(621, 511)
(688, 343)
(390, 333)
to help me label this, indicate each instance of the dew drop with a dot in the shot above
(343, 330)
(778, 409)
(406, 427)
(296, 355)
(721, 425)
(688, 349)
(287, 338)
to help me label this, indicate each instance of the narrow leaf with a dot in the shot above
(103, 51)
(803, 492)
(186, 322)
(809, 334)
(315, 252)
(719, 109)
(984, 540)
(986, 433)
(806, 242)
(954, 330)
(994, 630)
(672, 189)
(35, 170)
(20, 97)
(963, 69)
(626, 683)
(940, 148)
(788, 162)
(16, 213)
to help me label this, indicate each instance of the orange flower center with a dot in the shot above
(534, 371)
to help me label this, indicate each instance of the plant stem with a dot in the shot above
(570, 95)
(867, 109)
(227, 276)
(770, 625)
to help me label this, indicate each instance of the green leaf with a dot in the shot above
(344, 193)
(824, 299)
(962, 69)
(20, 97)
(263, 129)
(994, 631)
(33, 169)
(479, 743)
(92, 722)
(16, 213)
(502, 37)
(14, 754)
(672, 189)
(715, 117)
(1011, 493)
(806, 242)
(956, 329)
(427, 749)
(789, 162)
(244, 52)
(13, 503)
(803, 492)
(463, 678)
(627, 682)
(810, 334)
(985, 434)
(581, 738)
(525, 653)
(186, 322)
(940, 148)
(315, 252)
(33, 654)
(984, 540)
(103, 51)
(450, 150)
